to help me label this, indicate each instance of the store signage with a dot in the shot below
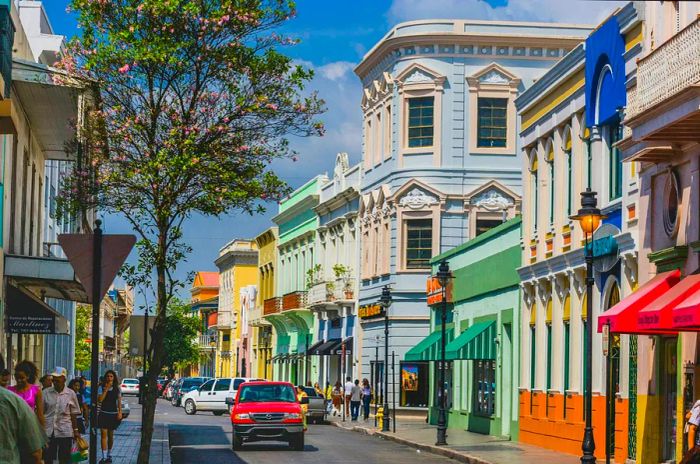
(606, 339)
(26, 324)
(370, 311)
(434, 291)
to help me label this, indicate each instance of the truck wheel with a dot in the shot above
(218, 413)
(297, 442)
(236, 442)
(190, 408)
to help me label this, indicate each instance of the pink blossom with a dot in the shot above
(271, 106)
(124, 69)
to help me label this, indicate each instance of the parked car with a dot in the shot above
(211, 396)
(126, 409)
(183, 386)
(162, 383)
(263, 410)
(169, 390)
(129, 387)
(317, 406)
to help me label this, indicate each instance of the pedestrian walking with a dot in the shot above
(110, 412)
(84, 412)
(692, 430)
(328, 395)
(61, 410)
(355, 400)
(21, 437)
(25, 387)
(5, 378)
(46, 382)
(304, 407)
(366, 398)
(318, 390)
(348, 392)
(337, 397)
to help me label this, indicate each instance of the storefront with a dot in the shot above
(482, 338)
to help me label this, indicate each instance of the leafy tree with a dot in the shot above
(180, 341)
(83, 350)
(192, 101)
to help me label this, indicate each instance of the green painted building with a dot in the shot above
(292, 321)
(482, 335)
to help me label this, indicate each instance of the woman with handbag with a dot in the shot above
(109, 404)
(366, 398)
(84, 415)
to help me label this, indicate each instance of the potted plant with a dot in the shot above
(343, 272)
(312, 276)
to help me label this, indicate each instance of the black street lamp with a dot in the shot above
(385, 301)
(589, 217)
(443, 276)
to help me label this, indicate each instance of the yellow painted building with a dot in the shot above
(238, 271)
(261, 328)
(204, 305)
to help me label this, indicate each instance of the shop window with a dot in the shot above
(492, 122)
(567, 341)
(414, 385)
(420, 121)
(484, 387)
(419, 243)
(377, 380)
(615, 165)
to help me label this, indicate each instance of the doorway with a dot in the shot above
(668, 396)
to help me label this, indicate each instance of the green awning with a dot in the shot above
(477, 342)
(428, 349)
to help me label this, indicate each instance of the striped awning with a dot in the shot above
(477, 342)
(428, 349)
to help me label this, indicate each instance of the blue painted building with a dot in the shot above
(441, 157)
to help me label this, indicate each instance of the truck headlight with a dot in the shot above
(292, 415)
(242, 416)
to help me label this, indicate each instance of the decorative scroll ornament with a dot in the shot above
(417, 198)
(417, 76)
(494, 77)
(493, 200)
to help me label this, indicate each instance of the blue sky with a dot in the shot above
(334, 37)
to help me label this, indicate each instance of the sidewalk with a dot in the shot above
(127, 439)
(467, 447)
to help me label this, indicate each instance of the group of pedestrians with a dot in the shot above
(42, 422)
(349, 397)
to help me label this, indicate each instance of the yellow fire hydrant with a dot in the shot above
(380, 417)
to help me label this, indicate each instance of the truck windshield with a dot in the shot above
(266, 393)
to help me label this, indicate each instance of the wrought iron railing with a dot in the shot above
(207, 342)
(669, 69)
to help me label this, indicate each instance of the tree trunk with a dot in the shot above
(157, 356)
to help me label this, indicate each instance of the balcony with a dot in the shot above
(663, 108)
(331, 293)
(272, 305)
(294, 300)
(207, 342)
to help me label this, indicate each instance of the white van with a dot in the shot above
(211, 396)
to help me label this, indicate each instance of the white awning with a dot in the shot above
(48, 277)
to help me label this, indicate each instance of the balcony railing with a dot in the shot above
(669, 69)
(207, 342)
(294, 300)
(272, 305)
(331, 291)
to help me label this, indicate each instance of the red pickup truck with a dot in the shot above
(267, 411)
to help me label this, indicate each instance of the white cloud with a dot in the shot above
(337, 70)
(568, 11)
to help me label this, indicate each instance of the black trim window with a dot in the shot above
(485, 387)
(420, 121)
(419, 243)
(493, 122)
(222, 385)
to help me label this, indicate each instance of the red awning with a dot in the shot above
(686, 315)
(623, 316)
(212, 319)
(657, 315)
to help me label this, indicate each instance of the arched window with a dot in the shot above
(534, 189)
(550, 351)
(569, 163)
(552, 183)
(533, 350)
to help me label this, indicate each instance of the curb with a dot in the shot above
(446, 452)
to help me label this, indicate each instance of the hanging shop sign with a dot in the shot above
(29, 324)
(434, 291)
(370, 311)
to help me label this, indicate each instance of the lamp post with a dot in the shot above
(589, 217)
(443, 275)
(385, 301)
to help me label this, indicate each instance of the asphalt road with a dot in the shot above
(205, 438)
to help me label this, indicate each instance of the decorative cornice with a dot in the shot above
(669, 258)
(418, 199)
